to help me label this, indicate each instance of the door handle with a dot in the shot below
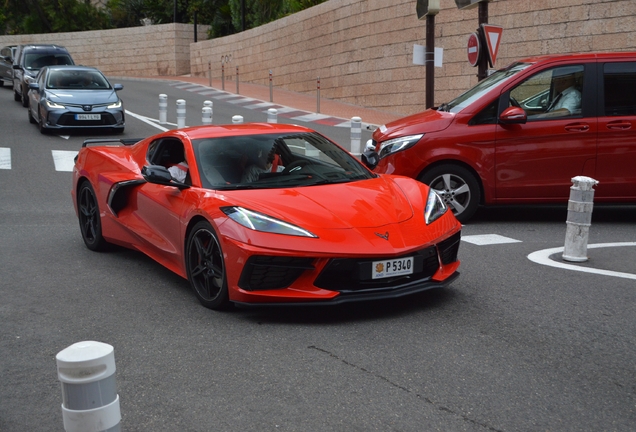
(622, 125)
(577, 127)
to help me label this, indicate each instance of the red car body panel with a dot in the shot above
(347, 218)
(532, 162)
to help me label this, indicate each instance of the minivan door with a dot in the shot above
(537, 160)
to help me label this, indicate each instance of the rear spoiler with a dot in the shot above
(124, 141)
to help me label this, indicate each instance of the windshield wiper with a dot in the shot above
(443, 107)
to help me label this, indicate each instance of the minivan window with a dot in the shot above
(496, 79)
(620, 88)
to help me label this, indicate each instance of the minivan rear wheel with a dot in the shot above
(457, 186)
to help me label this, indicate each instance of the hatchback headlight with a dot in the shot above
(398, 144)
(261, 222)
(115, 105)
(435, 207)
(53, 105)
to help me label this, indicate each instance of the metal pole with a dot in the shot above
(222, 76)
(482, 67)
(430, 61)
(237, 81)
(210, 72)
(271, 88)
(318, 96)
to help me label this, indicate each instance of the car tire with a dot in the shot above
(31, 119)
(43, 130)
(25, 99)
(458, 187)
(16, 96)
(206, 267)
(89, 218)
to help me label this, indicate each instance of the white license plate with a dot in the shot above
(88, 116)
(394, 267)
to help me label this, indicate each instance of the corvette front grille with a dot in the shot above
(448, 248)
(272, 272)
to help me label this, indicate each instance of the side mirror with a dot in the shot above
(118, 87)
(370, 158)
(34, 86)
(16, 66)
(513, 115)
(158, 174)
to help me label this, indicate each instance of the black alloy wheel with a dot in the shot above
(206, 267)
(89, 219)
(457, 186)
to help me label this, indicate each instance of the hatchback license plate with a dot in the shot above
(394, 267)
(88, 116)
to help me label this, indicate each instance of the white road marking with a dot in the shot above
(5, 158)
(543, 257)
(151, 122)
(64, 160)
(488, 239)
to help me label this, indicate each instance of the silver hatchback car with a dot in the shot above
(75, 97)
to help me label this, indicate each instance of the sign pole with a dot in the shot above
(482, 66)
(430, 61)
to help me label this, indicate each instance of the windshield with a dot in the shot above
(496, 79)
(36, 61)
(274, 161)
(76, 80)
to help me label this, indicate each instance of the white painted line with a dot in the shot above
(227, 96)
(488, 239)
(63, 160)
(543, 257)
(310, 117)
(151, 122)
(211, 92)
(5, 158)
(261, 105)
(242, 100)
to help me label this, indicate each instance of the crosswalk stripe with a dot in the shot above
(5, 158)
(64, 160)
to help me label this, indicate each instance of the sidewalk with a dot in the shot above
(299, 101)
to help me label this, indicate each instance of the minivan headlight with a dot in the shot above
(435, 207)
(398, 144)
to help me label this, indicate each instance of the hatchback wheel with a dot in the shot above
(457, 186)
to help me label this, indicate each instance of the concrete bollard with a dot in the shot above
(163, 108)
(579, 219)
(206, 113)
(237, 119)
(356, 136)
(181, 113)
(90, 402)
(272, 115)
(210, 104)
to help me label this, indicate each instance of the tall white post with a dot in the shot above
(579, 219)
(356, 136)
(163, 108)
(181, 113)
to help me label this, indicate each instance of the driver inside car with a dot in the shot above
(271, 162)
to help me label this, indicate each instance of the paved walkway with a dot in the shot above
(298, 101)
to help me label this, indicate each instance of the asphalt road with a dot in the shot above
(512, 345)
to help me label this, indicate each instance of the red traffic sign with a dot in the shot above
(492, 34)
(474, 49)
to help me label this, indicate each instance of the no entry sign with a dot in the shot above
(474, 49)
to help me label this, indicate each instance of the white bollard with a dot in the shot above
(237, 119)
(579, 219)
(163, 108)
(272, 115)
(90, 402)
(209, 104)
(206, 115)
(356, 136)
(181, 113)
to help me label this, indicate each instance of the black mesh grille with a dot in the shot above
(353, 274)
(269, 272)
(448, 248)
(68, 119)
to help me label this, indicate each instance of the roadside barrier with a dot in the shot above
(272, 115)
(579, 218)
(237, 119)
(206, 112)
(181, 113)
(163, 109)
(356, 136)
(90, 402)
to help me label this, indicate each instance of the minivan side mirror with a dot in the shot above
(513, 115)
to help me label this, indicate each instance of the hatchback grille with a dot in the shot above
(68, 119)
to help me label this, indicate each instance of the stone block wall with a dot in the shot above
(162, 49)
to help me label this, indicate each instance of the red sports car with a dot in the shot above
(265, 214)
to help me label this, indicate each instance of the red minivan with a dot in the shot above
(520, 135)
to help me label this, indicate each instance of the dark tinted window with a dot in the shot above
(620, 88)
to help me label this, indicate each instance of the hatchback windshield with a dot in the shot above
(496, 79)
(274, 161)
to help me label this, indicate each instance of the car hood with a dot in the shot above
(427, 121)
(82, 97)
(360, 204)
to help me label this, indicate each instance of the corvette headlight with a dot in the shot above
(435, 207)
(115, 105)
(398, 144)
(261, 222)
(53, 105)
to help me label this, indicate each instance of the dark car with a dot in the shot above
(6, 64)
(29, 60)
(521, 135)
(73, 97)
